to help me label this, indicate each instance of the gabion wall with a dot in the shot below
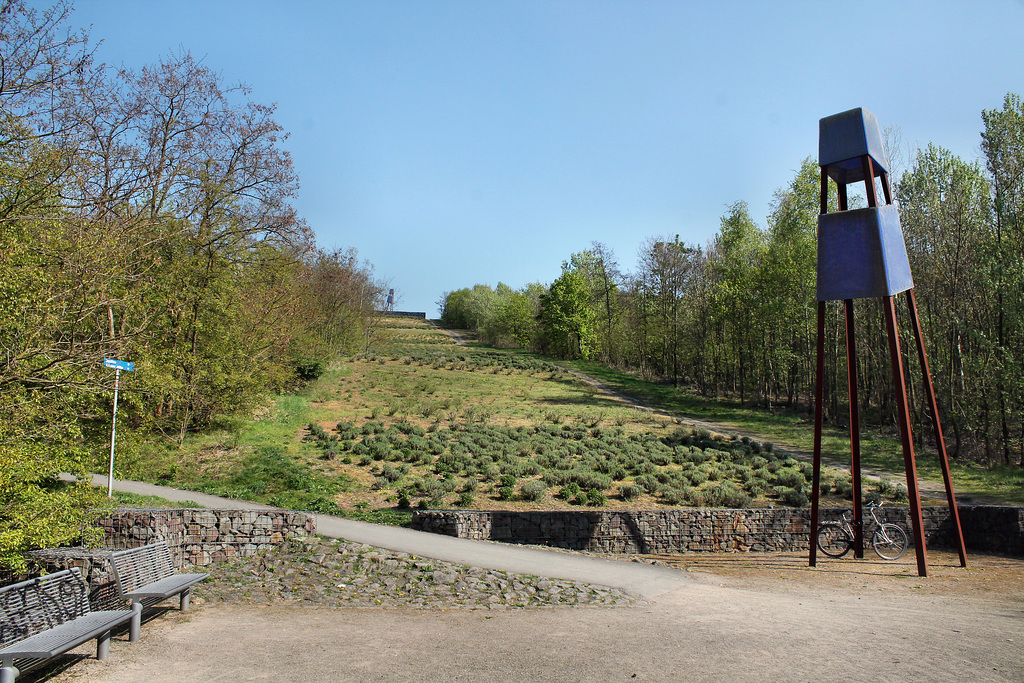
(199, 536)
(986, 528)
(196, 537)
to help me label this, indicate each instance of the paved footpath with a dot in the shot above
(683, 630)
(640, 580)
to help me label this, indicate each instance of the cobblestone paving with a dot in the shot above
(335, 573)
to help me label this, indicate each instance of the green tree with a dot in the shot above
(515, 320)
(788, 282)
(567, 316)
(665, 276)
(1002, 142)
(737, 254)
(144, 215)
(945, 213)
(53, 287)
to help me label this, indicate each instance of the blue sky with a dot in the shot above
(463, 142)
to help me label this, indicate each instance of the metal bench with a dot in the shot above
(45, 617)
(146, 574)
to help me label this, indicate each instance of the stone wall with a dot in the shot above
(986, 528)
(406, 314)
(196, 537)
(93, 563)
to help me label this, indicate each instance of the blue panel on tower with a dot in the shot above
(844, 138)
(861, 254)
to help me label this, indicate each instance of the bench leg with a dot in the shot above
(103, 646)
(135, 626)
(8, 672)
(185, 599)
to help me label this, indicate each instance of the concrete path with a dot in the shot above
(640, 580)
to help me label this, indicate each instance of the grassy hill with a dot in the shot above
(424, 422)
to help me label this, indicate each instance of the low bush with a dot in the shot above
(647, 482)
(671, 495)
(533, 490)
(790, 477)
(795, 497)
(629, 492)
(569, 491)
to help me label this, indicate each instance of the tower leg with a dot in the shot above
(851, 374)
(819, 395)
(940, 441)
(903, 416)
(869, 180)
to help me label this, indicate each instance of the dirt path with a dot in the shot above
(736, 620)
(456, 337)
(702, 617)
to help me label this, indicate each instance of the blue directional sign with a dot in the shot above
(115, 364)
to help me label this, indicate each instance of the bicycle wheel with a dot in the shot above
(889, 541)
(834, 540)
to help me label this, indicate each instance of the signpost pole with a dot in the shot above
(113, 434)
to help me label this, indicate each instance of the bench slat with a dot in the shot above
(30, 607)
(137, 567)
(147, 573)
(47, 616)
(67, 635)
(165, 588)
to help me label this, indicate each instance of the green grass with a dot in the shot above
(504, 429)
(271, 476)
(135, 500)
(795, 432)
(389, 516)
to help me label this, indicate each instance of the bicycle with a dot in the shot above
(889, 540)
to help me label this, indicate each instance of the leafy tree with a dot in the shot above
(567, 316)
(49, 294)
(601, 271)
(1002, 142)
(144, 215)
(788, 282)
(515, 320)
(469, 309)
(735, 261)
(666, 275)
(944, 210)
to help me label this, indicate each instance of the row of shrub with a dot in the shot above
(583, 465)
(474, 360)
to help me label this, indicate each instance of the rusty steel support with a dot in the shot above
(903, 417)
(885, 187)
(940, 441)
(819, 395)
(851, 375)
(869, 180)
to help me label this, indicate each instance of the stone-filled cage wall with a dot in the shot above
(996, 529)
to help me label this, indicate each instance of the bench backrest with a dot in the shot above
(138, 567)
(37, 605)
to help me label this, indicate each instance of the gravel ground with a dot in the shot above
(332, 573)
(736, 617)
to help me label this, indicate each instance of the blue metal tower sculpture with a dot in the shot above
(861, 254)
